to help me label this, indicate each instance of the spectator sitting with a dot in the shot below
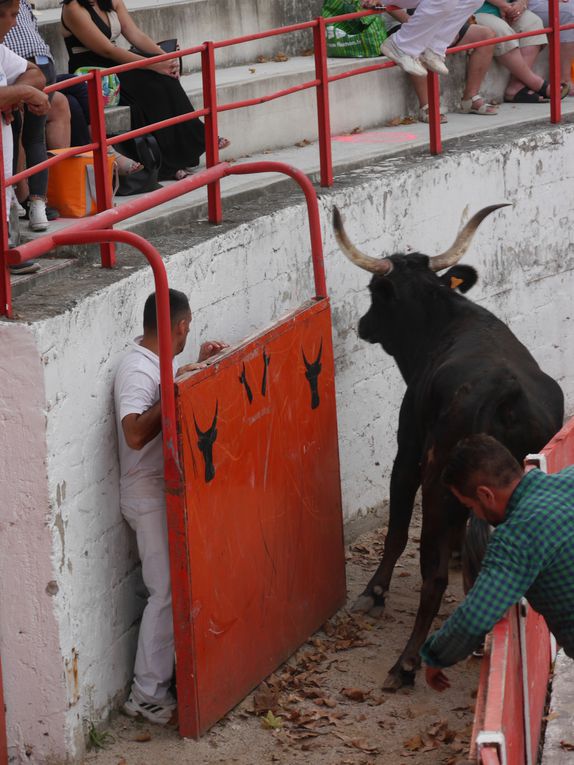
(479, 61)
(518, 56)
(24, 40)
(540, 8)
(153, 93)
(21, 82)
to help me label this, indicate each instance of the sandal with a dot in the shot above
(223, 143)
(544, 88)
(470, 106)
(184, 172)
(424, 115)
(525, 96)
(125, 165)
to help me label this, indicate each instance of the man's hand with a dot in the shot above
(189, 368)
(211, 348)
(437, 679)
(36, 100)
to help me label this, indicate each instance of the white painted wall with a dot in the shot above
(238, 282)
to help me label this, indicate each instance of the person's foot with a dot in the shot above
(408, 64)
(434, 61)
(125, 165)
(37, 215)
(424, 115)
(30, 267)
(223, 143)
(160, 714)
(478, 105)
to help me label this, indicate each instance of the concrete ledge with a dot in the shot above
(559, 728)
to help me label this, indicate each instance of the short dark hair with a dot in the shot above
(480, 460)
(178, 308)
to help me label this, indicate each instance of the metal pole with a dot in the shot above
(554, 61)
(323, 111)
(215, 213)
(5, 287)
(433, 86)
(101, 172)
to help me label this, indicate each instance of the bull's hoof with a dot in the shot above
(369, 604)
(399, 678)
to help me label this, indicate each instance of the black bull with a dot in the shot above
(465, 373)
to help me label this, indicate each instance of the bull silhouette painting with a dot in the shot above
(312, 372)
(243, 381)
(205, 441)
(465, 373)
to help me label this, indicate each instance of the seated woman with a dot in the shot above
(540, 7)
(154, 93)
(518, 56)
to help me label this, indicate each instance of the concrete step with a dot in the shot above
(195, 21)
(364, 101)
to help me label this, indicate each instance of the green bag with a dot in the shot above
(357, 38)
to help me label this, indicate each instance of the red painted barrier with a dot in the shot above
(517, 664)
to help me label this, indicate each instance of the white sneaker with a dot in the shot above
(434, 61)
(37, 215)
(409, 64)
(160, 714)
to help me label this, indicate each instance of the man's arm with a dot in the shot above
(27, 89)
(508, 570)
(140, 429)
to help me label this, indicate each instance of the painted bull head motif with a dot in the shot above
(205, 441)
(313, 370)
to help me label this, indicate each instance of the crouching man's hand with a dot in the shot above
(211, 348)
(437, 679)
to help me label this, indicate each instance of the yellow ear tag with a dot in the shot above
(455, 282)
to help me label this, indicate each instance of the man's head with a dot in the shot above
(180, 316)
(482, 474)
(8, 14)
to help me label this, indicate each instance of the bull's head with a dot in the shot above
(205, 441)
(406, 290)
(312, 372)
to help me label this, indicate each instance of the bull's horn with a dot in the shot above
(374, 265)
(463, 240)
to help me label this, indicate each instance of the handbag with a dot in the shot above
(357, 38)
(167, 46)
(72, 184)
(110, 85)
(144, 149)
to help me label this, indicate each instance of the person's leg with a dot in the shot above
(521, 74)
(154, 662)
(58, 123)
(478, 62)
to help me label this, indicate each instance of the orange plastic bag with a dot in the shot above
(72, 184)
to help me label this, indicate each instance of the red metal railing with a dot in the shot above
(320, 83)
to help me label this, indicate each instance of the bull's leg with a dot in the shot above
(442, 517)
(405, 480)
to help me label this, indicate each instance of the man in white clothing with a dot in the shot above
(142, 498)
(21, 82)
(421, 44)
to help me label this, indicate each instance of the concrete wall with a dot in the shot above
(62, 475)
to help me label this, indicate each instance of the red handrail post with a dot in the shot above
(554, 61)
(5, 287)
(214, 211)
(433, 86)
(104, 199)
(323, 110)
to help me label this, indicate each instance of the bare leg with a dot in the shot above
(521, 72)
(567, 56)
(58, 124)
(478, 62)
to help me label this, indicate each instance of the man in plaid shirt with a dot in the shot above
(530, 553)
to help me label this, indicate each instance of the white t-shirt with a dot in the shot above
(136, 389)
(11, 67)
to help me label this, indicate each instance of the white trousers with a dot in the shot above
(433, 25)
(154, 664)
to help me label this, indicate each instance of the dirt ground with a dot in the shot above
(325, 706)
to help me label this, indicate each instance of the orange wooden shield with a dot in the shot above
(262, 508)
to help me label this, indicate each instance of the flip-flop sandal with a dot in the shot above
(526, 96)
(424, 115)
(223, 143)
(468, 106)
(126, 166)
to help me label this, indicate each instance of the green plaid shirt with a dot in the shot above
(530, 554)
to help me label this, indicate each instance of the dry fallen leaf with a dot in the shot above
(567, 746)
(271, 722)
(551, 716)
(280, 57)
(355, 694)
(414, 744)
(262, 59)
(265, 699)
(142, 737)
(252, 69)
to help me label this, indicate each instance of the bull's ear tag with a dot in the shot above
(455, 282)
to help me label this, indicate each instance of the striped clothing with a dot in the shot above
(25, 39)
(530, 554)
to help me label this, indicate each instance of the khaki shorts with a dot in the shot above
(526, 22)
